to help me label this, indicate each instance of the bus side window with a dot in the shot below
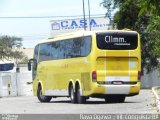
(86, 46)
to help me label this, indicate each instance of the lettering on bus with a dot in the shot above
(116, 40)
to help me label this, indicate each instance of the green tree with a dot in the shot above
(151, 6)
(9, 47)
(128, 17)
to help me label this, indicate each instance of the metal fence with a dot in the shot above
(16, 84)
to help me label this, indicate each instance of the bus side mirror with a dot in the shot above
(29, 66)
(34, 61)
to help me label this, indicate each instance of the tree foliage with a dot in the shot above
(9, 47)
(141, 16)
(150, 6)
(153, 30)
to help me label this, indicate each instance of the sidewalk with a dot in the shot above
(156, 92)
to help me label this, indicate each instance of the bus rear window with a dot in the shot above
(117, 40)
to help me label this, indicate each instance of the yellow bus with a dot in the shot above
(102, 64)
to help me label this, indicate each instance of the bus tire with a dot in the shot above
(72, 94)
(81, 99)
(115, 99)
(42, 98)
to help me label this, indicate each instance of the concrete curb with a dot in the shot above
(156, 97)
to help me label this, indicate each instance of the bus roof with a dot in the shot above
(79, 34)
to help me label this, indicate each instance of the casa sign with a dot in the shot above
(70, 25)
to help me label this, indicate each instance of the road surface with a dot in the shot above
(142, 103)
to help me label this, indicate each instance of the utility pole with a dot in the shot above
(84, 18)
(89, 15)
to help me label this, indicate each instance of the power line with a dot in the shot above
(32, 17)
(37, 35)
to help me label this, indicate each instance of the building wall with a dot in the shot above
(150, 80)
(28, 52)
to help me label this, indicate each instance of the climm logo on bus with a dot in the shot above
(80, 23)
(116, 40)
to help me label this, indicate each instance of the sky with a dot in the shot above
(32, 30)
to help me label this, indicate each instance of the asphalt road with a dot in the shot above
(142, 103)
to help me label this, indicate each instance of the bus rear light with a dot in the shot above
(94, 76)
(139, 75)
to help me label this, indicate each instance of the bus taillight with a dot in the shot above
(94, 76)
(139, 75)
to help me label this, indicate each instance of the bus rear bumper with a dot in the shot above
(127, 90)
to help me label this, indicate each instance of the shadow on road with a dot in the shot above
(90, 102)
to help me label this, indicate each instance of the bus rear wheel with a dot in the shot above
(41, 97)
(72, 94)
(81, 99)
